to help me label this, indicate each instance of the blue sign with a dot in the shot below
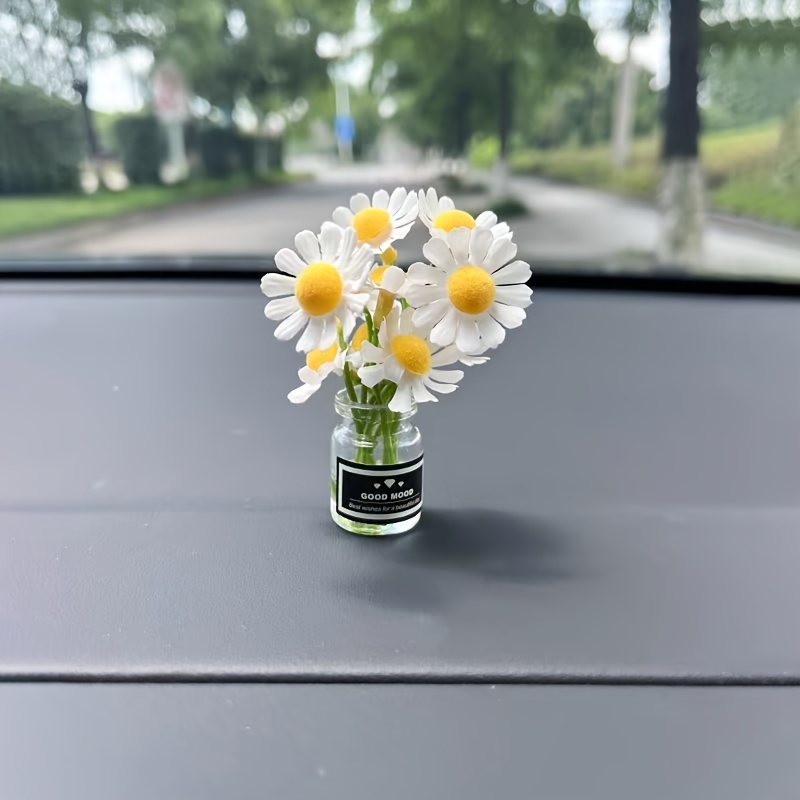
(345, 128)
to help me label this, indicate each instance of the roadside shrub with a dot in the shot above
(226, 151)
(143, 147)
(42, 141)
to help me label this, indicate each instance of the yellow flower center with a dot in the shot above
(412, 354)
(471, 289)
(448, 220)
(372, 225)
(318, 289)
(316, 358)
(389, 256)
(359, 337)
(377, 274)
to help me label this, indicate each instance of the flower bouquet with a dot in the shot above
(392, 336)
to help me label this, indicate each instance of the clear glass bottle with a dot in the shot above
(376, 469)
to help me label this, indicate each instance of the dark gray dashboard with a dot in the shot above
(612, 502)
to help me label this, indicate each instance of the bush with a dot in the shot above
(143, 147)
(42, 142)
(225, 151)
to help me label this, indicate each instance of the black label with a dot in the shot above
(376, 493)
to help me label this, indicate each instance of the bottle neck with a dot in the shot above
(355, 413)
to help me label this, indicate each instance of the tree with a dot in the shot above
(461, 67)
(682, 179)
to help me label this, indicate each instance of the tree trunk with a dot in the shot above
(624, 107)
(682, 193)
(505, 97)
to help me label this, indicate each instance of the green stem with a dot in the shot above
(348, 384)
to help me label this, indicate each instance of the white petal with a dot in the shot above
(446, 204)
(447, 355)
(444, 332)
(401, 231)
(394, 372)
(458, 240)
(380, 199)
(437, 252)
(418, 295)
(501, 230)
(431, 202)
(329, 333)
(356, 301)
(302, 393)
(392, 326)
(393, 279)
(402, 400)
(311, 335)
(428, 315)
(291, 326)
(372, 353)
(442, 388)
(358, 202)
(517, 295)
(508, 316)
(492, 332)
(410, 206)
(307, 245)
(330, 240)
(421, 394)
(468, 340)
(372, 375)
(479, 244)
(281, 308)
(406, 320)
(348, 320)
(486, 219)
(273, 284)
(397, 199)
(287, 260)
(473, 361)
(515, 272)
(308, 375)
(501, 252)
(425, 273)
(343, 217)
(446, 375)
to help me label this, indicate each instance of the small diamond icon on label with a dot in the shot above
(400, 483)
(389, 482)
(377, 485)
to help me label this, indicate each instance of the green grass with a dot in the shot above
(739, 170)
(28, 213)
(760, 199)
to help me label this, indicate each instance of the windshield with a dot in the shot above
(614, 135)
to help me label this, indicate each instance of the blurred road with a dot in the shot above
(567, 224)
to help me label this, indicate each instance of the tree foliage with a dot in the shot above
(461, 67)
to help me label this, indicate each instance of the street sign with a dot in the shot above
(345, 128)
(170, 93)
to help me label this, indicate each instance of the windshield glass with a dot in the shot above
(617, 135)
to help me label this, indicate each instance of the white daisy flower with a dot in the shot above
(469, 293)
(382, 221)
(410, 361)
(441, 216)
(325, 283)
(321, 363)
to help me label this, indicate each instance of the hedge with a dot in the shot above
(142, 147)
(225, 151)
(42, 141)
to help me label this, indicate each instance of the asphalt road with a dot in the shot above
(567, 224)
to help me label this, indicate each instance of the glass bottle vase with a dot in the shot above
(376, 469)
